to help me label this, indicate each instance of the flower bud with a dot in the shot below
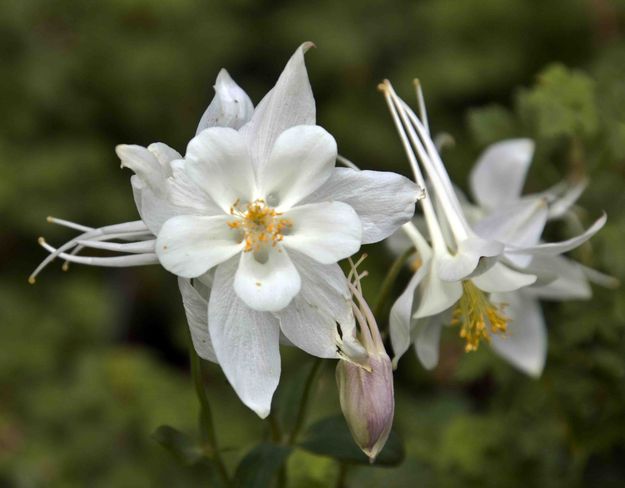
(367, 401)
(365, 375)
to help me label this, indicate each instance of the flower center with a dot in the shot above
(478, 317)
(259, 223)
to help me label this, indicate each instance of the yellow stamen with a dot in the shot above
(478, 317)
(415, 264)
(260, 224)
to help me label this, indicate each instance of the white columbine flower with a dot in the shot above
(257, 216)
(457, 289)
(272, 216)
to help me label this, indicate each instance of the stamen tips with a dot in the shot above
(385, 86)
(41, 241)
(31, 280)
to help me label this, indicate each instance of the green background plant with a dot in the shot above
(93, 361)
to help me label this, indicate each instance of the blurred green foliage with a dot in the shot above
(92, 362)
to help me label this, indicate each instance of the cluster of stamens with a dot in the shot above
(259, 223)
(478, 317)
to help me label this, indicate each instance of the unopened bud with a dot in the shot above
(367, 401)
(365, 376)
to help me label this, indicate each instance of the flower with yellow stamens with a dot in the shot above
(478, 317)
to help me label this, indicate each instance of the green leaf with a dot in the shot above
(331, 437)
(492, 123)
(259, 466)
(188, 453)
(289, 397)
(178, 443)
(562, 103)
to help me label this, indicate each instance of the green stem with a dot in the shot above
(389, 281)
(299, 420)
(206, 426)
(277, 438)
(274, 428)
(303, 406)
(342, 476)
(282, 476)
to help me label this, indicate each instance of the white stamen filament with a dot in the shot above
(136, 229)
(113, 262)
(455, 218)
(436, 168)
(421, 104)
(346, 162)
(130, 247)
(436, 234)
(67, 223)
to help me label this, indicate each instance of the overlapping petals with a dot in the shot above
(218, 162)
(269, 215)
(302, 159)
(190, 245)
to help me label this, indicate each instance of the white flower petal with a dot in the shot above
(327, 232)
(196, 310)
(137, 188)
(309, 322)
(325, 287)
(400, 320)
(555, 248)
(469, 259)
(398, 242)
(246, 342)
(144, 163)
(599, 278)
(269, 285)
(436, 295)
(499, 174)
(520, 223)
(231, 107)
(301, 160)
(308, 328)
(502, 279)
(517, 224)
(218, 162)
(289, 103)
(427, 340)
(383, 200)
(190, 245)
(570, 283)
(184, 193)
(562, 203)
(525, 344)
(156, 210)
(164, 154)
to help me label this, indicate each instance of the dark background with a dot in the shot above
(93, 360)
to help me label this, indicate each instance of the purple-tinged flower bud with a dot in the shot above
(365, 377)
(367, 402)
